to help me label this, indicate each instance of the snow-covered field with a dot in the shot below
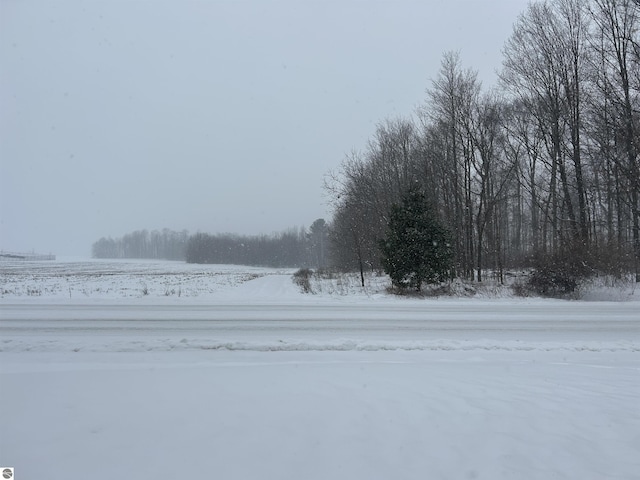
(164, 370)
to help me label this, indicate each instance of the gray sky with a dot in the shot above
(213, 116)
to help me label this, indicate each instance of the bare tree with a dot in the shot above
(543, 68)
(493, 173)
(618, 22)
(448, 112)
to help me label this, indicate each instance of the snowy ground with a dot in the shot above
(105, 373)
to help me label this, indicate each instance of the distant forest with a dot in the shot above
(291, 248)
(295, 247)
(543, 170)
(165, 244)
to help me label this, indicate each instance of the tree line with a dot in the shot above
(166, 244)
(543, 169)
(296, 247)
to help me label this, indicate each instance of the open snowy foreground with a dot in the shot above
(105, 373)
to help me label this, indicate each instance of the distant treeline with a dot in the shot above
(296, 247)
(166, 244)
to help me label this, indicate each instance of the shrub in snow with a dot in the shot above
(302, 278)
(559, 276)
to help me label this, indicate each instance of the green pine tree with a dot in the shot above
(417, 248)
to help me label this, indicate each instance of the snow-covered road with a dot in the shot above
(321, 326)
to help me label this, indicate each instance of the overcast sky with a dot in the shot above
(212, 116)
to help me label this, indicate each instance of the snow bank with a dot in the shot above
(338, 345)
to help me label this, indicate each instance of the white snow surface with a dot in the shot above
(165, 370)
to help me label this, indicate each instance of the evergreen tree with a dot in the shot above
(417, 248)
